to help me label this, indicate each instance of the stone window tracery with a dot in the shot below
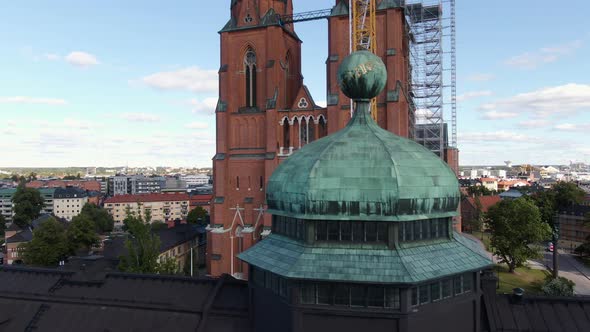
(250, 69)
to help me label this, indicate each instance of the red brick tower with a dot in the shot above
(264, 113)
(395, 111)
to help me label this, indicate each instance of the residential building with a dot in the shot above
(6, 205)
(195, 180)
(504, 185)
(82, 184)
(177, 241)
(473, 207)
(489, 183)
(15, 237)
(573, 229)
(162, 206)
(511, 193)
(175, 184)
(68, 202)
(202, 200)
(117, 185)
(498, 173)
(139, 184)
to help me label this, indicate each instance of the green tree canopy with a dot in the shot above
(516, 225)
(101, 218)
(48, 246)
(2, 225)
(562, 195)
(143, 247)
(28, 204)
(197, 215)
(479, 191)
(81, 233)
(558, 287)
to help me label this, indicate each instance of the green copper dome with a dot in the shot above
(363, 172)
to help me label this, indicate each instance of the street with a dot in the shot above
(570, 268)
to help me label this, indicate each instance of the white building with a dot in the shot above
(499, 173)
(68, 202)
(195, 180)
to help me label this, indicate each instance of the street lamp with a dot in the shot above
(555, 240)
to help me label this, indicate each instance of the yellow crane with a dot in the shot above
(363, 32)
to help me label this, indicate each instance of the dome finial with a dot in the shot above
(362, 75)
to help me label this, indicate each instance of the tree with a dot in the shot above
(515, 226)
(479, 191)
(48, 246)
(197, 215)
(558, 287)
(2, 225)
(28, 204)
(81, 233)
(561, 196)
(143, 247)
(168, 266)
(101, 218)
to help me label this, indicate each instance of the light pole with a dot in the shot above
(555, 240)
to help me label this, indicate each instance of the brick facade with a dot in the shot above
(263, 118)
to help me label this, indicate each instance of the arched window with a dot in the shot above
(303, 131)
(250, 69)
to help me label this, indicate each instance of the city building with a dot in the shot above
(511, 193)
(573, 228)
(195, 180)
(202, 200)
(117, 185)
(15, 237)
(176, 243)
(489, 183)
(6, 205)
(139, 184)
(472, 208)
(90, 185)
(504, 185)
(163, 206)
(265, 113)
(68, 202)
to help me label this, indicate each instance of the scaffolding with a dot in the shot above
(429, 29)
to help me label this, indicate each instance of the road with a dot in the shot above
(570, 268)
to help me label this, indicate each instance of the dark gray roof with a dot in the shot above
(180, 233)
(532, 313)
(69, 192)
(23, 236)
(54, 300)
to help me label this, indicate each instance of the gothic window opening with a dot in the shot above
(303, 132)
(237, 182)
(250, 69)
(323, 131)
(286, 134)
(311, 131)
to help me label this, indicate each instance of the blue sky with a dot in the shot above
(132, 82)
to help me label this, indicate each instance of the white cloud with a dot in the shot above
(193, 79)
(534, 123)
(77, 124)
(572, 127)
(473, 94)
(206, 105)
(532, 60)
(140, 117)
(481, 77)
(322, 103)
(563, 99)
(32, 100)
(497, 136)
(197, 125)
(495, 115)
(81, 59)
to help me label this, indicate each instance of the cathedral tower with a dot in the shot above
(264, 113)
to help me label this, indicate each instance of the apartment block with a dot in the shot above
(162, 206)
(68, 202)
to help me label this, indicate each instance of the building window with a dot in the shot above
(420, 230)
(355, 231)
(442, 289)
(250, 69)
(350, 295)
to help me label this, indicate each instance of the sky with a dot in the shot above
(134, 82)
